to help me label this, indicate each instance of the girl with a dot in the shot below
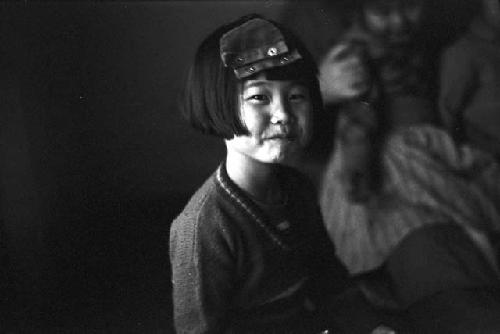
(249, 251)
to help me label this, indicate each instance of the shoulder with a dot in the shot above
(204, 213)
(211, 215)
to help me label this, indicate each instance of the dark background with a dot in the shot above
(95, 160)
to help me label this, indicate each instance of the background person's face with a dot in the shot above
(491, 12)
(394, 21)
(278, 116)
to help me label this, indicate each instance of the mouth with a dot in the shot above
(282, 136)
(398, 38)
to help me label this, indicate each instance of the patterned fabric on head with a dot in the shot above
(255, 46)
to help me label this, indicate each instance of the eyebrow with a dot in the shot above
(255, 83)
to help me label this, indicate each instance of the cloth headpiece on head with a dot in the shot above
(254, 46)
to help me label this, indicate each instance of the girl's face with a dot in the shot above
(278, 116)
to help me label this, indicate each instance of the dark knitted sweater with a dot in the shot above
(236, 270)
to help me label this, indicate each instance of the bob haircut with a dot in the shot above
(210, 100)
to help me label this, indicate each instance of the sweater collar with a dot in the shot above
(243, 201)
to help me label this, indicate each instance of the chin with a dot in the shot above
(281, 154)
(282, 157)
(270, 159)
(273, 158)
(278, 160)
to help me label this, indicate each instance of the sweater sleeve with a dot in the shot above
(202, 275)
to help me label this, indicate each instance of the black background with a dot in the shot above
(95, 159)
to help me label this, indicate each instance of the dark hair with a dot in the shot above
(210, 100)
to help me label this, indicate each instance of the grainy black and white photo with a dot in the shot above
(250, 167)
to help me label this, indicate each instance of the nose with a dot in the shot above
(398, 21)
(281, 112)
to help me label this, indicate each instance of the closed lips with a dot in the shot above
(288, 136)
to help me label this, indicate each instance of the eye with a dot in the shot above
(258, 98)
(299, 95)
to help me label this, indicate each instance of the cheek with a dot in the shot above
(305, 120)
(253, 120)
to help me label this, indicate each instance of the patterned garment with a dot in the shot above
(239, 269)
(427, 179)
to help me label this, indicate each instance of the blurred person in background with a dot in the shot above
(469, 100)
(410, 210)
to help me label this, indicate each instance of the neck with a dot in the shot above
(255, 177)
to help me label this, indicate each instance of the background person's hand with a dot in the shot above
(343, 73)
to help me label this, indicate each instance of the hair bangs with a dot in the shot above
(298, 71)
